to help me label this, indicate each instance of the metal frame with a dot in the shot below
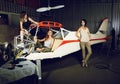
(28, 42)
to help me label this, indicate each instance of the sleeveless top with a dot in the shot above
(27, 24)
(84, 35)
(47, 43)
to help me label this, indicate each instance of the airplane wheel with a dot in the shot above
(5, 57)
(5, 52)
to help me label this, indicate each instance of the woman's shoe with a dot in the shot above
(25, 54)
(83, 63)
(86, 65)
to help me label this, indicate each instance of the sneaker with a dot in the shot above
(25, 54)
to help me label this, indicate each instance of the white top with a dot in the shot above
(84, 35)
(47, 43)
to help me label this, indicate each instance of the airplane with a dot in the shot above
(66, 43)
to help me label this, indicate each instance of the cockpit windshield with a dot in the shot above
(57, 35)
(62, 33)
(65, 33)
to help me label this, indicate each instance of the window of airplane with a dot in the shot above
(57, 35)
(65, 33)
(61, 34)
(4, 19)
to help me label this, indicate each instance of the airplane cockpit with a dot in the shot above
(61, 34)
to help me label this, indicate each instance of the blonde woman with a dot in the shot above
(48, 43)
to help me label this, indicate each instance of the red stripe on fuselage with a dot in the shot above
(71, 41)
(99, 39)
(68, 41)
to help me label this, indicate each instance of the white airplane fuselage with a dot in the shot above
(70, 43)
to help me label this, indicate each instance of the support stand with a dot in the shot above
(38, 63)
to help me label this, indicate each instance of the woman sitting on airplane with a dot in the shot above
(48, 43)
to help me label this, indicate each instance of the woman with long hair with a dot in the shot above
(25, 22)
(48, 43)
(84, 36)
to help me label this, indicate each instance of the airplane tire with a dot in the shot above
(5, 52)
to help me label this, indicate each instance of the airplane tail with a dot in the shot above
(103, 27)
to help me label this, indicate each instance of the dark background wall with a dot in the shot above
(92, 10)
(75, 10)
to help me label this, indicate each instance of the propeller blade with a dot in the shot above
(43, 9)
(57, 7)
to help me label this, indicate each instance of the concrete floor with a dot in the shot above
(104, 68)
(68, 70)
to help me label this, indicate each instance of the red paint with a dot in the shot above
(71, 41)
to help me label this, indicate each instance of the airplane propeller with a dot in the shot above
(43, 9)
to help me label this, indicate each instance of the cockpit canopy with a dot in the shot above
(61, 33)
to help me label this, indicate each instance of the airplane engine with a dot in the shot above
(5, 52)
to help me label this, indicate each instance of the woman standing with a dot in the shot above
(84, 35)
